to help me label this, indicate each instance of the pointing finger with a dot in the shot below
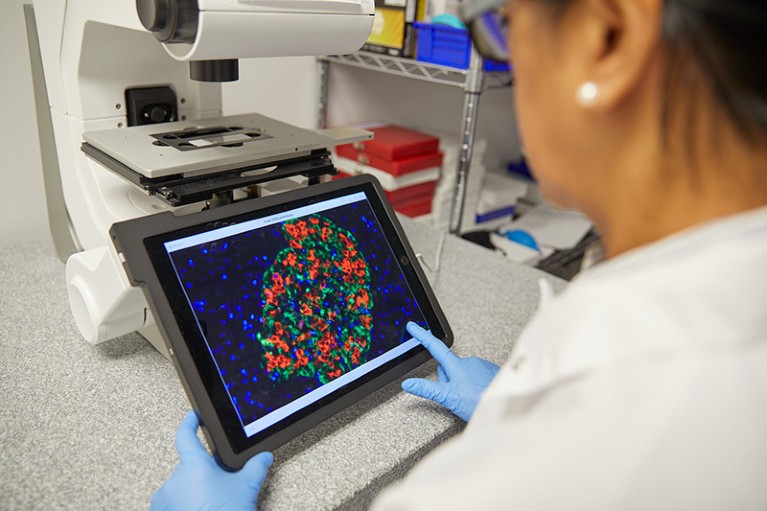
(437, 348)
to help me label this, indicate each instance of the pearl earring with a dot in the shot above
(587, 94)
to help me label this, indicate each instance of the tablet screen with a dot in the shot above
(291, 306)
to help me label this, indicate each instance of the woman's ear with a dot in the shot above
(618, 40)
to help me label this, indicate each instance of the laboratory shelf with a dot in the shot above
(472, 81)
(410, 68)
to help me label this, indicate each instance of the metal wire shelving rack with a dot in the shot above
(472, 81)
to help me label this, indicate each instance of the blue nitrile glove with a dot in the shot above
(199, 483)
(461, 380)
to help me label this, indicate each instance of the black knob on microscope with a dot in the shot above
(158, 114)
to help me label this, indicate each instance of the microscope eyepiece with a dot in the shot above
(171, 21)
(153, 13)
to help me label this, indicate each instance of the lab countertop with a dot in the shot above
(91, 427)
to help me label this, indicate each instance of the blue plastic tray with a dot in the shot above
(448, 46)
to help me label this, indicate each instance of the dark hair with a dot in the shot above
(722, 44)
(727, 41)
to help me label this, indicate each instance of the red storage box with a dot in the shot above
(415, 208)
(407, 162)
(388, 181)
(404, 194)
(393, 167)
(392, 142)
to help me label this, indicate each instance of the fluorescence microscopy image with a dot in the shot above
(318, 313)
(289, 307)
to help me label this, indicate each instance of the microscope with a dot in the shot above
(129, 110)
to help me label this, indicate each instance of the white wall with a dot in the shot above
(23, 214)
(286, 89)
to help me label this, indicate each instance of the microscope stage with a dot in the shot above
(206, 146)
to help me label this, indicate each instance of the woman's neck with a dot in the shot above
(682, 191)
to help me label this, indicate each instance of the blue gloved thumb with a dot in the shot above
(426, 389)
(254, 471)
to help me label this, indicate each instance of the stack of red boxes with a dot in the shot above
(407, 162)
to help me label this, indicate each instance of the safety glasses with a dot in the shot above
(488, 27)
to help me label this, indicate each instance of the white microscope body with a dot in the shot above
(92, 52)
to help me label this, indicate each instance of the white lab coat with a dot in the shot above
(642, 386)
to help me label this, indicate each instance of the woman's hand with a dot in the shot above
(199, 483)
(461, 380)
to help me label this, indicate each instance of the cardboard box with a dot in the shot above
(393, 32)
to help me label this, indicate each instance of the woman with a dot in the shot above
(643, 384)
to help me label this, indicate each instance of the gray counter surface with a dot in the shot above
(91, 427)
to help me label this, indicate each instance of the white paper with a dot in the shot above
(554, 228)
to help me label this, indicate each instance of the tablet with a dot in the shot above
(281, 311)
